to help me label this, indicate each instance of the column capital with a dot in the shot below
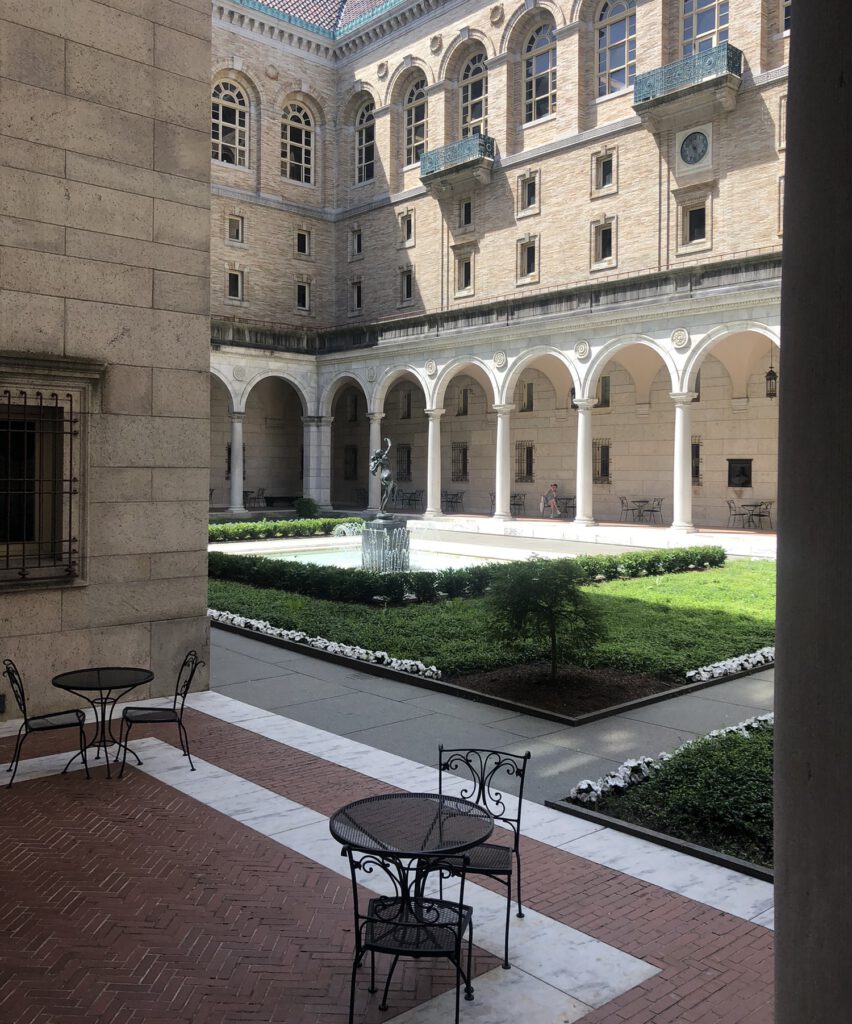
(503, 410)
(317, 421)
(237, 417)
(375, 417)
(435, 414)
(585, 403)
(683, 397)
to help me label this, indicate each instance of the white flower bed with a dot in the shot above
(732, 666)
(416, 668)
(638, 769)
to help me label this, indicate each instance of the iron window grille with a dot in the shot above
(403, 463)
(696, 461)
(601, 464)
(524, 462)
(39, 487)
(350, 462)
(459, 461)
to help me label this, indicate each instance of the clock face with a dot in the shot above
(694, 147)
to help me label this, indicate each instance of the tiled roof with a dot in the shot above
(334, 17)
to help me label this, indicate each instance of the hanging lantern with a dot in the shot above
(771, 378)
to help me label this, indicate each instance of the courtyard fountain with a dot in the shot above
(385, 540)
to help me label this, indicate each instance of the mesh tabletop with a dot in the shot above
(102, 678)
(410, 824)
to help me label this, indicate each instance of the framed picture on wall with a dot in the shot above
(739, 472)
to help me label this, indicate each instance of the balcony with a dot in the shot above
(458, 165)
(701, 85)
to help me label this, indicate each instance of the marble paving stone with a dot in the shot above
(231, 667)
(363, 682)
(621, 738)
(457, 707)
(354, 712)
(691, 712)
(766, 919)
(284, 690)
(258, 650)
(527, 725)
(757, 691)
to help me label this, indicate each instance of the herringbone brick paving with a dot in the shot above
(715, 968)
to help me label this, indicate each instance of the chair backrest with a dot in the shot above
(732, 506)
(14, 676)
(625, 504)
(483, 772)
(191, 664)
(657, 504)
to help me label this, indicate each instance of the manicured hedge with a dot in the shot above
(265, 529)
(360, 586)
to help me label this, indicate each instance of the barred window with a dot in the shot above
(474, 97)
(350, 462)
(696, 461)
(601, 461)
(403, 462)
(540, 74)
(524, 462)
(416, 121)
(229, 124)
(459, 463)
(616, 46)
(297, 144)
(705, 25)
(39, 486)
(365, 145)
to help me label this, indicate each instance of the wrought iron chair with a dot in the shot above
(626, 510)
(735, 513)
(134, 715)
(74, 719)
(517, 503)
(480, 769)
(763, 511)
(409, 923)
(654, 511)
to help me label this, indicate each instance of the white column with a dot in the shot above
(374, 484)
(584, 515)
(682, 477)
(503, 467)
(237, 463)
(316, 469)
(433, 464)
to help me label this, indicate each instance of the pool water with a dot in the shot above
(349, 557)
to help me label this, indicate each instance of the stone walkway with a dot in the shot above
(220, 896)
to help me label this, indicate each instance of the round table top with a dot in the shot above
(103, 678)
(411, 824)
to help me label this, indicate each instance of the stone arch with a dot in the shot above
(354, 99)
(522, 21)
(460, 49)
(398, 79)
(609, 351)
(739, 363)
(295, 93)
(297, 386)
(474, 368)
(391, 377)
(330, 390)
(226, 384)
(553, 359)
(225, 69)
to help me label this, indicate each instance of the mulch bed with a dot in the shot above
(576, 691)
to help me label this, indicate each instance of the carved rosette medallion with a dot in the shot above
(680, 337)
(436, 44)
(497, 14)
(382, 70)
(371, 373)
(431, 367)
(272, 72)
(239, 373)
(582, 350)
(500, 360)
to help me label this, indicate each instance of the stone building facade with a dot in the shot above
(104, 337)
(528, 242)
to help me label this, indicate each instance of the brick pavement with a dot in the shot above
(128, 901)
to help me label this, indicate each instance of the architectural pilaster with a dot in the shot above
(682, 475)
(237, 502)
(584, 515)
(433, 464)
(316, 475)
(503, 462)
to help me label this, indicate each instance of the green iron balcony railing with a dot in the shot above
(700, 67)
(457, 154)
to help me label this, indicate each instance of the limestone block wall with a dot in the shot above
(104, 285)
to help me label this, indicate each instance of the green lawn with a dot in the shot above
(661, 625)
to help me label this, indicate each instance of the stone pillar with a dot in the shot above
(584, 515)
(374, 484)
(433, 463)
(503, 464)
(236, 504)
(813, 699)
(316, 470)
(682, 477)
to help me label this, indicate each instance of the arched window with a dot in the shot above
(416, 121)
(473, 116)
(365, 143)
(616, 46)
(705, 25)
(297, 144)
(540, 74)
(229, 124)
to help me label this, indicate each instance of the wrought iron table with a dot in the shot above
(102, 688)
(411, 824)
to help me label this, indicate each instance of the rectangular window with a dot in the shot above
(696, 461)
(601, 461)
(465, 212)
(603, 243)
(739, 472)
(697, 387)
(464, 402)
(527, 396)
(604, 173)
(406, 229)
(406, 284)
(236, 229)
(356, 297)
(524, 462)
(403, 463)
(528, 193)
(39, 486)
(696, 224)
(356, 247)
(788, 10)
(235, 284)
(459, 464)
(350, 462)
(603, 393)
(303, 243)
(464, 273)
(405, 408)
(303, 296)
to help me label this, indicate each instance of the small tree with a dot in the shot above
(542, 597)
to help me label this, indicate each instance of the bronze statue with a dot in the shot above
(380, 466)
